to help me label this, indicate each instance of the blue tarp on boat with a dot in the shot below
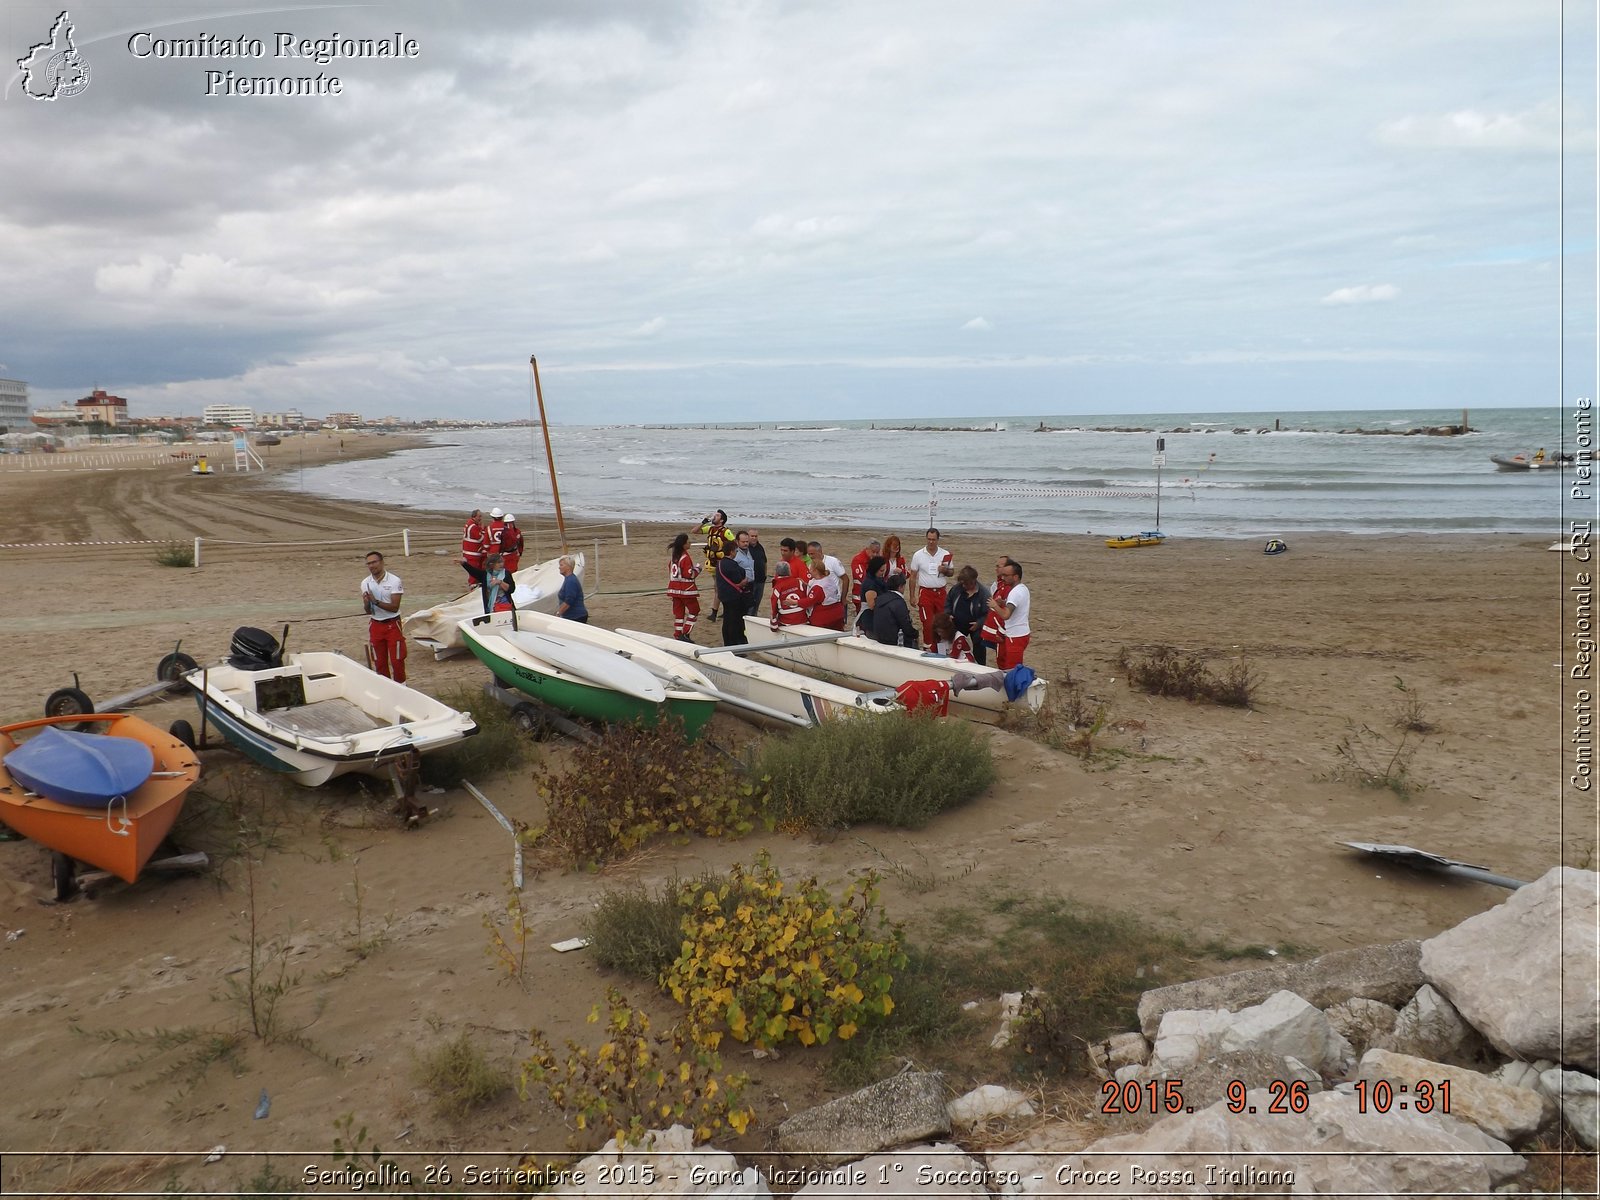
(80, 768)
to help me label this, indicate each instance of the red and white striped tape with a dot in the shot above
(55, 545)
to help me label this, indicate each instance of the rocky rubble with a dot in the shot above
(1412, 1068)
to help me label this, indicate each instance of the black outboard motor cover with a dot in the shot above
(254, 650)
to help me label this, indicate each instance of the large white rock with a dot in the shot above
(1331, 1149)
(1118, 1051)
(1287, 1025)
(1282, 1025)
(1524, 973)
(987, 1103)
(1186, 1036)
(1506, 1113)
(938, 1170)
(1428, 1027)
(903, 1110)
(1579, 1097)
(1362, 1022)
(666, 1164)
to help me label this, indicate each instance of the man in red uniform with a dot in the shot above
(381, 593)
(474, 541)
(788, 597)
(858, 571)
(931, 569)
(496, 531)
(511, 543)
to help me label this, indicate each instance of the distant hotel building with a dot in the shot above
(13, 405)
(343, 420)
(99, 406)
(293, 419)
(229, 414)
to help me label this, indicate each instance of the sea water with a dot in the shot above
(1225, 474)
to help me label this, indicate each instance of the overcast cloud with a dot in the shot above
(707, 210)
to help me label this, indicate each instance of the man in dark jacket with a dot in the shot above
(733, 597)
(891, 618)
(967, 602)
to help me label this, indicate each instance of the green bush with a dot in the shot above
(634, 783)
(897, 769)
(635, 931)
(497, 746)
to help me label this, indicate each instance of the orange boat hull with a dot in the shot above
(122, 837)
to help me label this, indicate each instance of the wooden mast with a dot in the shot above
(555, 491)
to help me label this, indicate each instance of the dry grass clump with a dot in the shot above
(634, 783)
(1165, 671)
(460, 1077)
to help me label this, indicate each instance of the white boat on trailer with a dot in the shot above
(439, 628)
(762, 686)
(866, 663)
(315, 715)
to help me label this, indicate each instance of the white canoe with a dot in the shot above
(804, 700)
(439, 628)
(321, 715)
(863, 662)
(588, 662)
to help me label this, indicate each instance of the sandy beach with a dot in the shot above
(1216, 822)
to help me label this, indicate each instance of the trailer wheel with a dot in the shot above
(528, 719)
(63, 874)
(184, 732)
(70, 702)
(174, 667)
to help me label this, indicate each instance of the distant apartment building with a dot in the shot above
(293, 419)
(343, 420)
(229, 414)
(102, 407)
(13, 404)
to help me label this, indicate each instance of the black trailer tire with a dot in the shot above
(174, 667)
(528, 719)
(70, 702)
(63, 874)
(184, 732)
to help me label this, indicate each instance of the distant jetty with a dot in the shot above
(1277, 427)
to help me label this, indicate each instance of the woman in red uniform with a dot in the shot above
(681, 588)
(825, 597)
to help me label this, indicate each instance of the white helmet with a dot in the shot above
(496, 513)
(510, 519)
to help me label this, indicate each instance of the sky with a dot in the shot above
(703, 210)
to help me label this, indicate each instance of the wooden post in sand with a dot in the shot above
(555, 491)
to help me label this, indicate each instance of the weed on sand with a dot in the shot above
(460, 1077)
(897, 769)
(1165, 671)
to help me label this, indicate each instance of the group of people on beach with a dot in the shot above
(490, 555)
(959, 617)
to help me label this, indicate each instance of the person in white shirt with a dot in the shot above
(835, 568)
(931, 568)
(381, 593)
(1013, 613)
